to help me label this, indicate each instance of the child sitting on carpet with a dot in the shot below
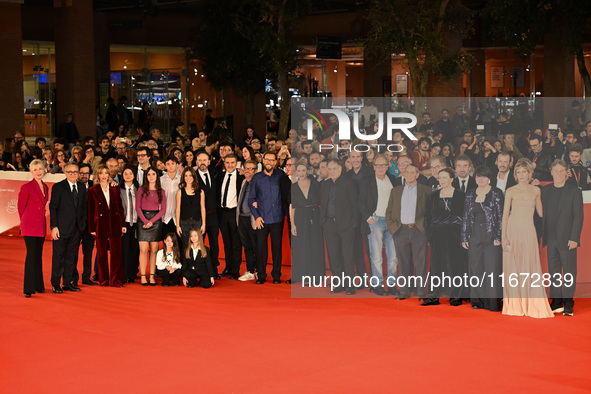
(197, 266)
(168, 261)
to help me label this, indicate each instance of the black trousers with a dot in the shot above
(275, 230)
(339, 247)
(411, 251)
(168, 278)
(248, 238)
(34, 265)
(562, 262)
(65, 258)
(485, 259)
(231, 238)
(212, 230)
(87, 248)
(358, 254)
(198, 277)
(446, 251)
(130, 252)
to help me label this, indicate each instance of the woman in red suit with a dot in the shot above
(32, 203)
(105, 223)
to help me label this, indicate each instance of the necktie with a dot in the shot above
(130, 197)
(463, 188)
(207, 179)
(225, 198)
(75, 194)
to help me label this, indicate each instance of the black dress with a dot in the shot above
(307, 248)
(444, 218)
(485, 261)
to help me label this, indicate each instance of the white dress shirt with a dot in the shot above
(384, 189)
(170, 187)
(232, 198)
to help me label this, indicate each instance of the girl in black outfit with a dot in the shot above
(444, 226)
(197, 267)
(190, 206)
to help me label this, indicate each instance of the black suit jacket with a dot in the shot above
(62, 212)
(471, 184)
(200, 264)
(236, 180)
(510, 180)
(211, 192)
(543, 161)
(569, 214)
(347, 198)
(368, 199)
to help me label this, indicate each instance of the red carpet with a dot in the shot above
(242, 337)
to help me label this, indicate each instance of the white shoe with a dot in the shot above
(558, 310)
(247, 276)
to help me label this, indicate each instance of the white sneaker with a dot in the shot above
(247, 276)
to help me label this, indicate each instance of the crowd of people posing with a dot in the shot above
(126, 211)
(478, 218)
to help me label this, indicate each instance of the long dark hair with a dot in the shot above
(134, 172)
(251, 151)
(176, 253)
(195, 183)
(146, 184)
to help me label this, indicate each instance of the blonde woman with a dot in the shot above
(523, 293)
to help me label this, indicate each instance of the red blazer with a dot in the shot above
(104, 220)
(31, 209)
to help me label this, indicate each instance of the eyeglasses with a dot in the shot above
(89, 151)
(380, 165)
(249, 168)
(288, 165)
(71, 172)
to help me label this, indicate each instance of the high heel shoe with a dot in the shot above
(144, 283)
(154, 283)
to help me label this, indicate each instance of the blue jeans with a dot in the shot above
(377, 239)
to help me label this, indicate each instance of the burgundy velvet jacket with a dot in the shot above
(105, 220)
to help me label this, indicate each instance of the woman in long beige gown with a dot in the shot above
(523, 292)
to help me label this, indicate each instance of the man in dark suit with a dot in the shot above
(87, 239)
(357, 174)
(68, 214)
(562, 225)
(339, 216)
(403, 162)
(229, 191)
(373, 201)
(540, 158)
(208, 182)
(405, 217)
(464, 181)
(503, 176)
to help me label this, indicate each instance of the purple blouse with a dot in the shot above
(149, 203)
